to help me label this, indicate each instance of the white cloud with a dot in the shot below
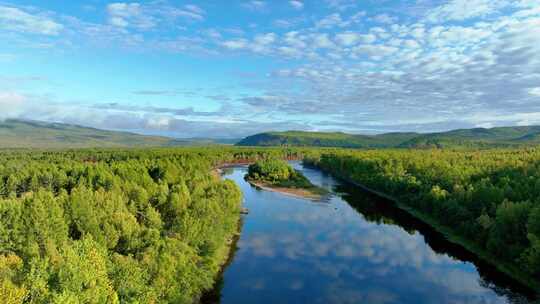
(290, 52)
(294, 39)
(413, 70)
(418, 32)
(384, 18)
(322, 41)
(256, 5)
(212, 33)
(411, 44)
(283, 23)
(347, 38)
(368, 38)
(351, 38)
(263, 43)
(144, 17)
(526, 3)
(9, 99)
(129, 14)
(297, 4)
(14, 19)
(236, 44)
(10, 103)
(265, 38)
(194, 8)
(375, 51)
(190, 11)
(464, 9)
(341, 5)
(535, 91)
(336, 20)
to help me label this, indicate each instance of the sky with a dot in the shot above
(238, 67)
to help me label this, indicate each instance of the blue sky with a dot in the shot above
(234, 68)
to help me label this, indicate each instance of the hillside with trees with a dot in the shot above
(323, 139)
(44, 135)
(464, 138)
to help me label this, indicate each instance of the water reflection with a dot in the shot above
(296, 251)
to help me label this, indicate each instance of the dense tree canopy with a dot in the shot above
(152, 226)
(277, 172)
(110, 226)
(491, 197)
(271, 170)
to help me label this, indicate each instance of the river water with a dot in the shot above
(349, 247)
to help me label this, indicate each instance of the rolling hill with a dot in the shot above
(322, 139)
(463, 138)
(35, 134)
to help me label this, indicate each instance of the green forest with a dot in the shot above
(276, 172)
(488, 201)
(477, 138)
(113, 226)
(154, 225)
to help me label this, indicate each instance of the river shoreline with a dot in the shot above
(510, 270)
(277, 232)
(229, 247)
(212, 295)
(293, 192)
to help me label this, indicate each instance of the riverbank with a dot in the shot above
(279, 176)
(213, 295)
(294, 192)
(510, 270)
(282, 231)
(229, 247)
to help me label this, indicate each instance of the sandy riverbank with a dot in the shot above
(294, 192)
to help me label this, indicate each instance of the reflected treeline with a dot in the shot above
(381, 211)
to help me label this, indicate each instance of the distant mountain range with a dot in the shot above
(464, 138)
(35, 134)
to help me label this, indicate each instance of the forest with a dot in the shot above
(477, 138)
(154, 225)
(277, 175)
(115, 226)
(487, 200)
(277, 172)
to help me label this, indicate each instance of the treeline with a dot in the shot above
(477, 138)
(110, 226)
(488, 199)
(279, 173)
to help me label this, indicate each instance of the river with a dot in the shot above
(349, 247)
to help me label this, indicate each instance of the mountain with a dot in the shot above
(463, 138)
(35, 134)
(323, 139)
(478, 138)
